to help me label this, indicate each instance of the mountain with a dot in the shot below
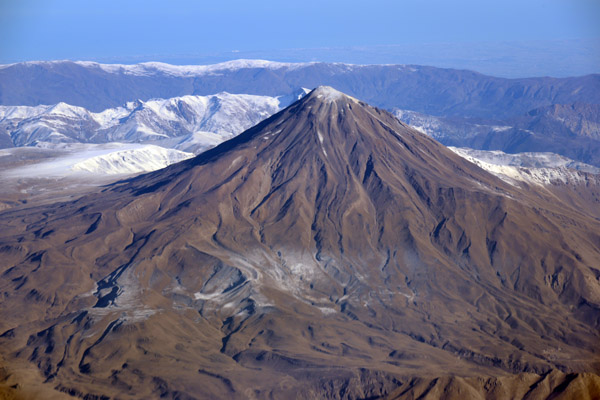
(113, 158)
(131, 161)
(58, 172)
(526, 160)
(578, 119)
(429, 90)
(571, 130)
(197, 122)
(64, 140)
(572, 182)
(328, 252)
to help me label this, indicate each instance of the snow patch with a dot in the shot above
(329, 94)
(540, 169)
(74, 159)
(131, 161)
(203, 296)
(327, 310)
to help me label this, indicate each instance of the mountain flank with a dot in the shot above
(328, 252)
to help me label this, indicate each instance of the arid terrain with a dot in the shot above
(330, 251)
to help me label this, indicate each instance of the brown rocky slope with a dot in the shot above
(328, 252)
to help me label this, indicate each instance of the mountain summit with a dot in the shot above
(330, 251)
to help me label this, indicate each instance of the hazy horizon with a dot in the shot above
(507, 39)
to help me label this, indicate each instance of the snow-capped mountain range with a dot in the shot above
(136, 137)
(175, 129)
(457, 107)
(536, 168)
(151, 68)
(190, 123)
(526, 159)
(199, 122)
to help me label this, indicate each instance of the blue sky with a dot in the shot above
(459, 33)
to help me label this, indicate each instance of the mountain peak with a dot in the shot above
(329, 132)
(328, 94)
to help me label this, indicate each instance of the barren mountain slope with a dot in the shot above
(328, 252)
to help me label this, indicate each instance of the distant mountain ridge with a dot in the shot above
(578, 119)
(571, 130)
(430, 90)
(538, 168)
(197, 122)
